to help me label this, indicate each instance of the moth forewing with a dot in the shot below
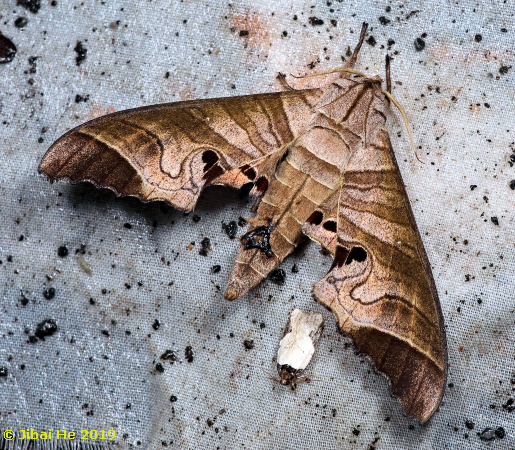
(297, 346)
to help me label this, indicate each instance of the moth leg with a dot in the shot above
(352, 60)
(282, 79)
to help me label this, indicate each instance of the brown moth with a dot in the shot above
(322, 162)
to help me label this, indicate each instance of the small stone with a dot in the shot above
(62, 251)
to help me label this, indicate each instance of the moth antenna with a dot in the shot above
(352, 60)
(327, 72)
(405, 118)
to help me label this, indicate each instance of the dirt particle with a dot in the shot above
(81, 98)
(3, 371)
(295, 269)
(242, 222)
(49, 293)
(156, 325)
(503, 70)
(248, 344)
(188, 354)
(478, 38)
(7, 50)
(473, 186)
(371, 41)
(160, 368)
(46, 328)
(315, 21)
(196, 218)
(420, 44)
(488, 434)
(173, 399)
(216, 268)
(277, 276)
(32, 5)
(21, 22)
(500, 433)
(384, 20)
(168, 355)
(244, 33)
(205, 246)
(494, 220)
(62, 251)
(469, 424)
(81, 53)
(230, 229)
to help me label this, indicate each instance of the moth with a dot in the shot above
(297, 347)
(321, 164)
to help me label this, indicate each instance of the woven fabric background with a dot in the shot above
(130, 264)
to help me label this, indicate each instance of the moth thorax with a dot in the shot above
(287, 374)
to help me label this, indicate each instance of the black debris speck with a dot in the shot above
(81, 98)
(355, 432)
(46, 328)
(168, 355)
(420, 44)
(512, 184)
(262, 325)
(334, 22)
(230, 229)
(242, 221)
(156, 325)
(7, 49)
(384, 20)
(216, 268)
(295, 269)
(244, 33)
(105, 333)
(21, 22)
(81, 53)
(473, 186)
(248, 344)
(49, 293)
(3, 371)
(315, 21)
(277, 276)
(196, 218)
(32, 5)
(469, 424)
(127, 225)
(188, 354)
(504, 69)
(500, 433)
(160, 368)
(173, 398)
(488, 434)
(205, 246)
(478, 38)
(62, 251)
(494, 220)
(390, 42)
(371, 41)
